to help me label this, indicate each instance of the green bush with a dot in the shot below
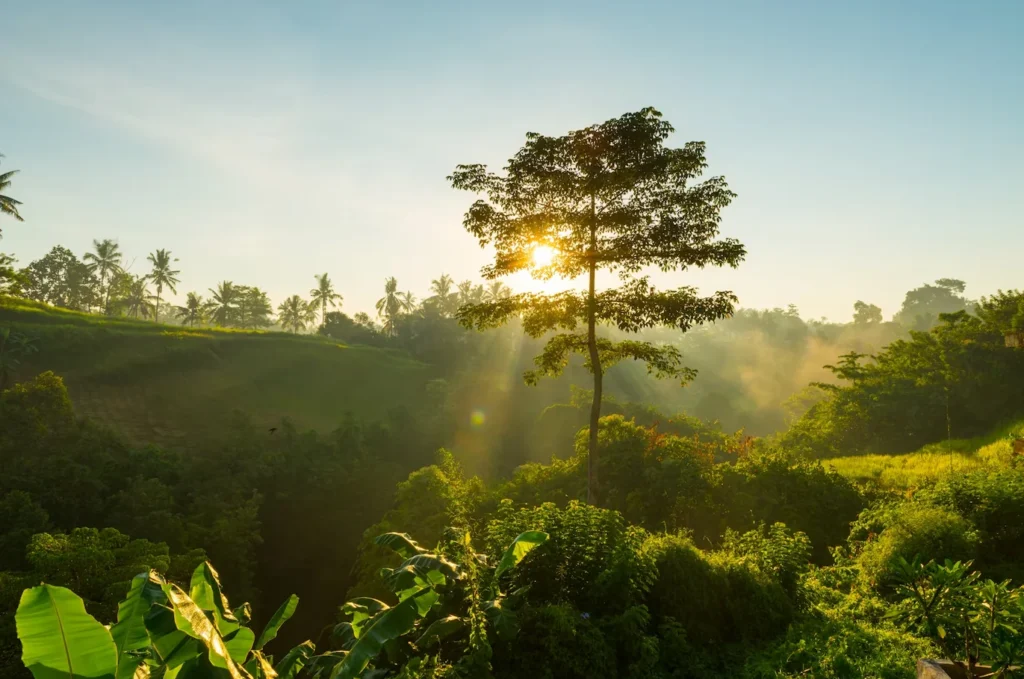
(716, 597)
(557, 641)
(916, 530)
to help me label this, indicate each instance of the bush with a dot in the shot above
(915, 530)
(557, 641)
(715, 597)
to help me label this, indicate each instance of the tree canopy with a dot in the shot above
(609, 197)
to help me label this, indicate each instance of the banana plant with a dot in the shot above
(161, 631)
(432, 592)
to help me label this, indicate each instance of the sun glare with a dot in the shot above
(543, 255)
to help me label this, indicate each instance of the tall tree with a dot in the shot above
(866, 314)
(323, 295)
(61, 279)
(408, 301)
(8, 205)
(389, 307)
(105, 260)
(496, 290)
(223, 303)
(192, 312)
(608, 197)
(254, 309)
(922, 306)
(139, 302)
(293, 313)
(162, 276)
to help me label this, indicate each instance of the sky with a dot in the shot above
(874, 146)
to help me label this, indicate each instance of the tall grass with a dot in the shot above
(912, 470)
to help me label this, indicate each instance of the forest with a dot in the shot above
(484, 482)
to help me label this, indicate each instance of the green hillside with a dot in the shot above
(933, 461)
(175, 386)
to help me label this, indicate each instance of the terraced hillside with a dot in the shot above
(176, 386)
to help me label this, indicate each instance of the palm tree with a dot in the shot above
(408, 301)
(139, 302)
(496, 291)
(322, 295)
(444, 299)
(390, 305)
(293, 313)
(8, 205)
(192, 312)
(221, 306)
(162, 275)
(470, 294)
(105, 260)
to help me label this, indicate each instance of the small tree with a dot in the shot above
(611, 197)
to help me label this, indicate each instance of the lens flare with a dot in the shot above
(543, 255)
(477, 418)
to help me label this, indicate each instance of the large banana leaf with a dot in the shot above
(520, 547)
(280, 617)
(191, 620)
(129, 632)
(294, 660)
(441, 629)
(385, 626)
(171, 646)
(259, 667)
(362, 609)
(401, 543)
(206, 592)
(59, 639)
(239, 643)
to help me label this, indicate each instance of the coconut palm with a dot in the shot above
(323, 295)
(496, 291)
(445, 300)
(470, 294)
(295, 312)
(105, 261)
(223, 303)
(139, 302)
(408, 301)
(389, 307)
(162, 275)
(254, 309)
(8, 205)
(192, 312)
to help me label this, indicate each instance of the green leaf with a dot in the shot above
(520, 547)
(385, 626)
(129, 632)
(285, 611)
(59, 639)
(171, 646)
(239, 643)
(942, 631)
(362, 609)
(206, 592)
(441, 629)
(191, 620)
(294, 660)
(259, 667)
(503, 619)
(401, 543)
(243, 613)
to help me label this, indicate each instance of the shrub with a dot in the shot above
(715, 597)
(557, 641)
(916, 530)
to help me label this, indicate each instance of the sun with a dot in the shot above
(543, 255)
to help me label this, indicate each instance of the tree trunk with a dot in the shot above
(595, 363)
(156, 312)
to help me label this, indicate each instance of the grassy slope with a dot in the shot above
(895, 472)
(169, 385)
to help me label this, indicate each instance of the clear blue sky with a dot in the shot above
(874, 145)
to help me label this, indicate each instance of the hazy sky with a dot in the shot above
(874, 145)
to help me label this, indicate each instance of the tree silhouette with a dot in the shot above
(444, 300)
(192, 312)
(105, 260)
(323, 295)
(608, 197)
(223, 303)
(162, 275)
(8, 205)
(294, 313)
(389, 307)
(139, 302)
(253, 308)
(496, 290)
(866, 314)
